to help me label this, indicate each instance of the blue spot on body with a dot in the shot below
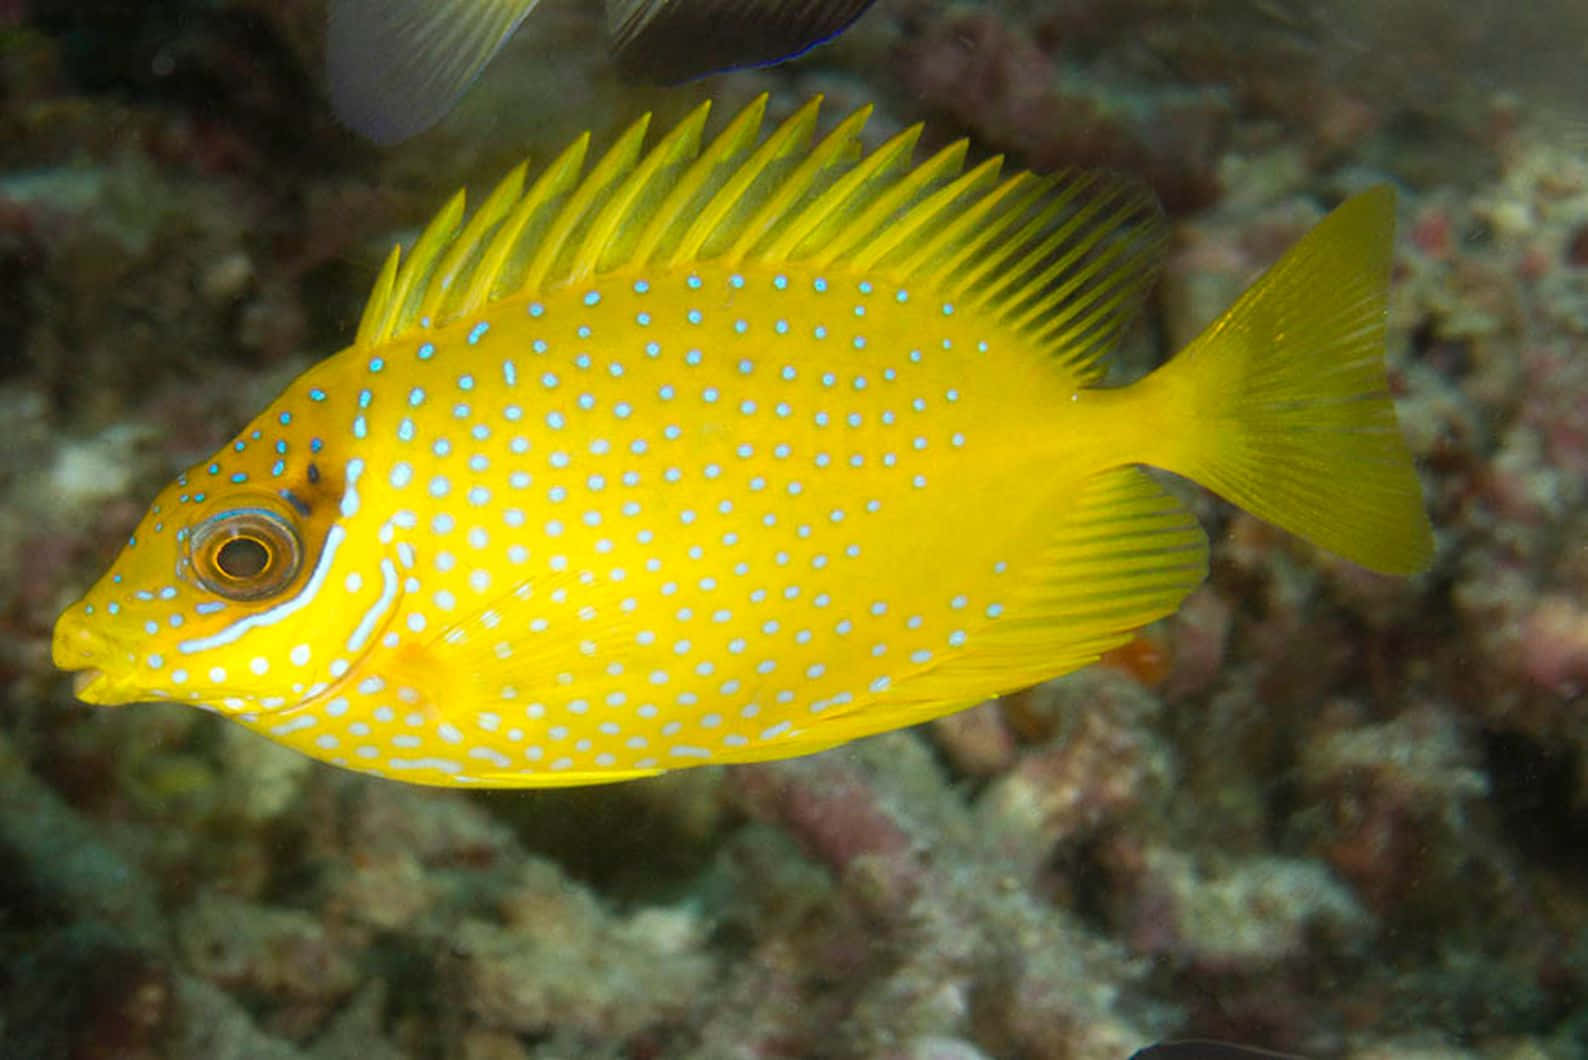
(477, 332)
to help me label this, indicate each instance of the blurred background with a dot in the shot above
(1317, 810)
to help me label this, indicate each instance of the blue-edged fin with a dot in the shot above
(678, 40)
(397, 66)
(1199, 1049)
(1282, 406)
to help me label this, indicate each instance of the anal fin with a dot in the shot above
(1125, 553)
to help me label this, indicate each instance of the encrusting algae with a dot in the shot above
(740, 451)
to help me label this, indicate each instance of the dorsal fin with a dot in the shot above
(1062, 259)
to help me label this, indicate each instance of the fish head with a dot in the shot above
(216, 599)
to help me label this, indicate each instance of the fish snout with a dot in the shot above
(80, 651)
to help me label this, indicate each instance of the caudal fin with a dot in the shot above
(1289, 413)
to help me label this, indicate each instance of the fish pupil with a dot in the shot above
(243, 558)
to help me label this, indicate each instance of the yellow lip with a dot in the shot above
(83, 681)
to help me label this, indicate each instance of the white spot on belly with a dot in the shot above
(302, 721)
(496, 758)
(440, 765)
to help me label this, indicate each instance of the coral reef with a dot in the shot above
(1316, 810)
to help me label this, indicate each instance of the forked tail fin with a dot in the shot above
(1281, 405)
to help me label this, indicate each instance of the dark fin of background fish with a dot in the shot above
(677, 40)
(1206, 1050)
(396, 66)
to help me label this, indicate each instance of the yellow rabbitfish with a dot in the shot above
(739, 451)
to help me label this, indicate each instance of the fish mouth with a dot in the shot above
(83, 682)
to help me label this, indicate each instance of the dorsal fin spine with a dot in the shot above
(926, 212)
(810, 234)
(681, 142)
(849, 197)
(1020, 275)
(440, 297)
(1077, 298)
(1060, 260)
(414, 276)
(614, 166)
(992, 270)
(501, 265)
(777, 213)
(888, 208)
(792, 135)
(940, 256)
(1091, 306)
(732, 143)
(377, 309)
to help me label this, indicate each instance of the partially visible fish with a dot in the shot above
(1199, 1049)
(397, 66)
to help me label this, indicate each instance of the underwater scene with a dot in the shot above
(895, 529)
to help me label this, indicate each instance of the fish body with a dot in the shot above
(395, 67)
(739, 452)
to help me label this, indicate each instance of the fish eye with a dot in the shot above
(244, 554)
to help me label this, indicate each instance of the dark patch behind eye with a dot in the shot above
(314, 474)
